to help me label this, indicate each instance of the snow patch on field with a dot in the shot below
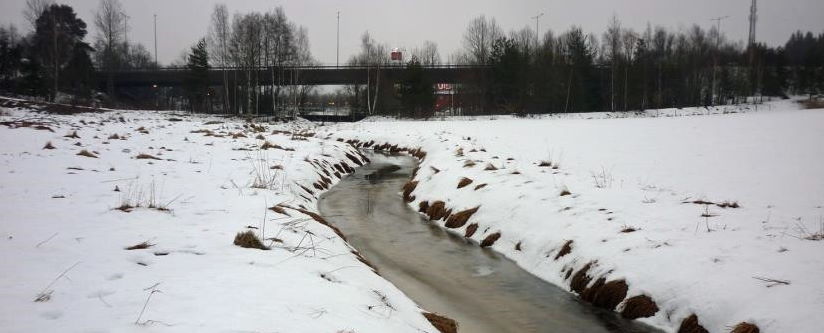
(190, 184)
(714, 214)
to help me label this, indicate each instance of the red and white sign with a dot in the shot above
(396, 55)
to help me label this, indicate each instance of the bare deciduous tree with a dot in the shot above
(33, 10)
(479, 37)
(109, 21)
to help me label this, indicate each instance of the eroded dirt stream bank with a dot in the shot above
(442, 272)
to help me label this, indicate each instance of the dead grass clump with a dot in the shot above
(729, 204)
(518, 246)
(86, 153)
(267, 145)
(142, 129)
(213, 122)
(237, 135)
(436, 211)
(49, 145)
(690, 325)
(745, 327)
(813, 103)
(353, 159)
(468, 164)
(279, 210)
(464, 182)
(641, 306)
(565, 249)
(565, 192)
(140, 246)
(364, 261)
(72, 135)
(249, 240)
(459, 152)
(408, 188)
(423, 206)
(470, 230)
(627, 229)
(146, 157)
(459, 219)
(441, 323)
(545, 164)
(491, 239)
(478, 187)
(490, 167)
(434, 169)
(114, 137)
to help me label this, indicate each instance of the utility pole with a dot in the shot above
(337, 54)
(753, 20)
(717, 45)
(537, 31)
(155, 38)
(126, 27)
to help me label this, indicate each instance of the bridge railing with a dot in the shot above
(289, 68)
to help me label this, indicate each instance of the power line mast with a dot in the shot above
(753, 20)
(715, 61)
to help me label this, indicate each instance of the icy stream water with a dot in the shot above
(445, 273)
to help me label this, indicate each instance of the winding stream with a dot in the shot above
(444, 273)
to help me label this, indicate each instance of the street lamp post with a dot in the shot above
(337, 54)
(537, 31)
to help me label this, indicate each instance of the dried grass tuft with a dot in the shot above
(491, 239)
(408, 188)
(469, 163)
(470, 230)
(49, 145)
(480, 186)
(490, 167)
(146, 157)
(691, 325)
(323, 221)
(518, 246)
(72, 135)
(459, 219)
(565, 249)
(423, 207)
(580, 279)
(441, 323)
(248, 239)
(641, 306)
(565, 192)
(745, 327)
(436, 210)
(140, 246)
(606, 295)
(464, 182)
(86, 153)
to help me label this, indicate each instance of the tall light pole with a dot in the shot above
(537, 31)
(717, 45)
(155, 38)
(337, 54)
(126, 27)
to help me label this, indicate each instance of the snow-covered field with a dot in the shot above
(718, 214)
(64, 265)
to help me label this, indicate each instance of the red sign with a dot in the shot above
(396, 55)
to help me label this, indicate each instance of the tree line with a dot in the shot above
(628, 70)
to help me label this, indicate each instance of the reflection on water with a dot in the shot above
(443, 272)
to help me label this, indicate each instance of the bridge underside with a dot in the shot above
(289, 76)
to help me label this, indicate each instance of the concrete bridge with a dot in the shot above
(315, 75)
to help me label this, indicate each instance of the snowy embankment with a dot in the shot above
(702, 222)
(177, 190)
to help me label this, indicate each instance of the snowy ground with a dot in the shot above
(638, 208)
(62, 254)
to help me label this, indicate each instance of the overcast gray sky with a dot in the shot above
(406, 23)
